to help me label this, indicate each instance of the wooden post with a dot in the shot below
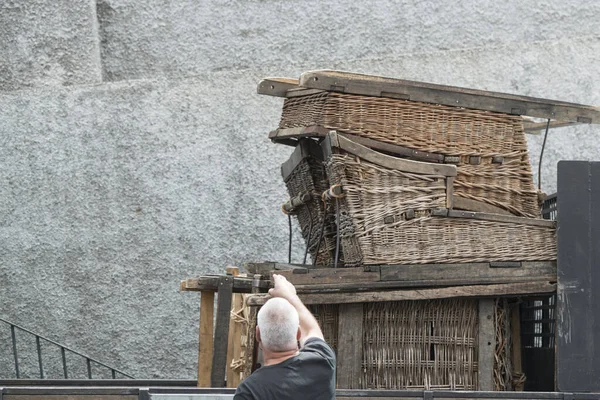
(487, 344)
(233, 347)
(350, 349)
(217, 376)
(515, 325)
(205, 342)
(251, 349)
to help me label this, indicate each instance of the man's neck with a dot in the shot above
(276, 357)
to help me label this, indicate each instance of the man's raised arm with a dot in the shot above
(309, 326)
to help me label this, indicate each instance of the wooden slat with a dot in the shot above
(267, 268)
(299, 132)
(211, 283)
(450, 192)
(276, 86)
(476, 273)
(324, 276)
(349, 349)
(462, 203)
(205, 343)
(217, 377)
(487, 344)
(534, 127)
(336, 140)
(305, 148)
(234, 347)
(515, 326)
(449, 95)
(395, 149)
(509, 289)
(500, 218)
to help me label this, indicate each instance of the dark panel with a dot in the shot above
(578, 305)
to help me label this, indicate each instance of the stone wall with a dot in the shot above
(134, 152)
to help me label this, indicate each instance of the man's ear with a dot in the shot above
(258, 335)
(298, 334)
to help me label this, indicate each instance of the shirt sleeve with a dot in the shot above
(320, 347)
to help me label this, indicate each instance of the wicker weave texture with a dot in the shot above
(420, 345)
(447, 130)
(309, 177)
(374, 228)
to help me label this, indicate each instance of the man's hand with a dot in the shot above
(283, 288)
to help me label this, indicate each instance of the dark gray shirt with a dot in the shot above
(309, 375)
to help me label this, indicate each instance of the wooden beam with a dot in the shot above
(241, 284)
(534, 127)
(476, 273)
(515, 326)
(395, 149)
(205, 342)
(386, 161)
(324, 276)
(267, 268)
(276, 86)
(219, 363)
(487, 344)
(368, 85)
(306, 148)
(462, 203)
(234, 347)
(349, 349)
(509, 289)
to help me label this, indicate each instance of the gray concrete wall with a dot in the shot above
(134, 153)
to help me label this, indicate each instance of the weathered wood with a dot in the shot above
(449, 95)
(306, 148)
(267, 268)
(219, 364)
(386, 161)
(241, 284)
(500, 218)
(487, 344)
(231, 270)
(276, 86)
(450, 192)
(515, 326)
(534, 127)
(349, 349)
(395, 149)
(234, 347)
(323, 276)
(475, 273)
(205, 342)
(462, 203)
(298, 132)
(509, 289)
(252, 349)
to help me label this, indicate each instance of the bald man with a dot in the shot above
(289, 372)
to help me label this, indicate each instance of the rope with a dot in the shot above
(290, 245)
(542, 155)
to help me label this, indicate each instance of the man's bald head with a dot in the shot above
(278, 323)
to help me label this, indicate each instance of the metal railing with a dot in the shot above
(14, 328)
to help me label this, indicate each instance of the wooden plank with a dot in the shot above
(450, 192)
(487, 344)
(477, 273)
(449, 95)
(219, 363)
(534, 127)
(395, 149)
(462, 203)
(515, 326)
(306, 148)
(298, 132)
(509, 289)
(267, 268)
(234, 347)
(388, 161)
(276, 86)
(323, 276)
(500, 218)
(205, 342)
(241, 284)
(349, 349)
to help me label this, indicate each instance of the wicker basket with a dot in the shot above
(500, 176)
(389, 215)
(304, 173)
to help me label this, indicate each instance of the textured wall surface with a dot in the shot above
(134, 153)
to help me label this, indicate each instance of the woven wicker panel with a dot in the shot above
(376, 195)
(309, 176)
(447, 130)
(420, 345)
(327, 317)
